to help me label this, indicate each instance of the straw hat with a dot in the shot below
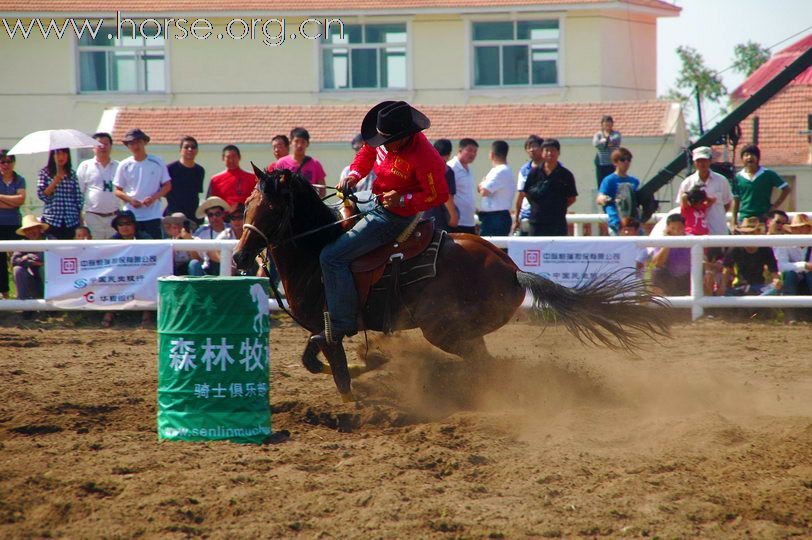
(211, 202)
(799, 221)
(751, 225)
(30, 221)
(175, 218)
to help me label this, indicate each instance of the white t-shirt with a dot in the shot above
(499, 181)
(716, 186)
(205, 232)
(141, 179)
(96, 182)
(464, 199)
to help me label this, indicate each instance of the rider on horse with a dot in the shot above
(410, 179)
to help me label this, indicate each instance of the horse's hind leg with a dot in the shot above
(467, 349)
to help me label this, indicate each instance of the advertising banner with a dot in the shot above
(107, 278)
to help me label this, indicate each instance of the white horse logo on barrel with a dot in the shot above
(259, 297)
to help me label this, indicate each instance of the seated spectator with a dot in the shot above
(126, 228)
(793, 261)
(213, 208)
(776, 220)
(694, 208)
(745, 266)
(174, 230)
(631, 227)
(27, 265)
(672, 266)
(236, 219)
(622, 160)
(83, 233)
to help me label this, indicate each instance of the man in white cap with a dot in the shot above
(714, 184)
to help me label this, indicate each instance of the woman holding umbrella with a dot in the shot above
(59, 189)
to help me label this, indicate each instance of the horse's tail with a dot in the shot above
(613, 309)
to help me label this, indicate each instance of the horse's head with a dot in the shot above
(268, 213)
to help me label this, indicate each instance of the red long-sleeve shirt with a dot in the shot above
(416, 171)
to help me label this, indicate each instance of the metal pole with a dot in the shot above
(697, 280)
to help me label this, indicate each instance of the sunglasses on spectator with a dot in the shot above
(189, 147)
(238, 216)
(6, 161)
(624, 159)
(218, 213)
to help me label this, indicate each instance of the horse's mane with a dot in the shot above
(307, 211)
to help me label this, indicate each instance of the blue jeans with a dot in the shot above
(374, 230)
(763, 289)
(793, 279)
(495, 223)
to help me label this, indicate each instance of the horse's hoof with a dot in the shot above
(325, 369)
(347, 397)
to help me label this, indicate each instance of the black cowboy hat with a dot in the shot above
(391, 120)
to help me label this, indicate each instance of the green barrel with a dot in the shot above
(213, 359)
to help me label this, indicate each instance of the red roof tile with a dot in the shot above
(781, 121)
(773, 66)
(309, 7)
(258, 124)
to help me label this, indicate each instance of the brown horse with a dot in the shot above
(477, 288)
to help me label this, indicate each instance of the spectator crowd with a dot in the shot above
(141, 197)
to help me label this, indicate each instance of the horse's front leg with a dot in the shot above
(309, 360)
(337, 358)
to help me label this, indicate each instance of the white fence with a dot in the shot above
(696, 301)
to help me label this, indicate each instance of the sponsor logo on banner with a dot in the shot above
(106, 277)
(69, 265)
(572, 263)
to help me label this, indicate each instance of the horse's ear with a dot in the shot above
(266, 184)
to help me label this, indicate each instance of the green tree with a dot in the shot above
(748, 57)
(695, 76)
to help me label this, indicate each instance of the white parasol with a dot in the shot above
(52, 139)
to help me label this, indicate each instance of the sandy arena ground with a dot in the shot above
(708, 434)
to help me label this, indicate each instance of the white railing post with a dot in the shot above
(578, 229)
(697, 280)
(225, 261)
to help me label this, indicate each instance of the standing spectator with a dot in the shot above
(141, 180)
(365, 184)
(300, 162)
(550, 189)
(694, 209)
(464, 198)
(280, 146)
(173, 230)
(744, 266)
(753, 187)
(214, 208)
(714, 184)
(622, 160)
(605, 141)
(187, 181)
(445, 216)
(60, 191)
(497, 190)
(96, 181)
(28, 264)
(233, 185)
(533, 148)
(12, 197)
